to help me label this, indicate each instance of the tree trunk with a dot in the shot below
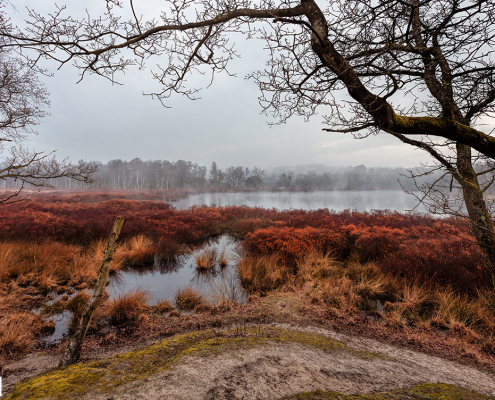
(479, 217)
(73, 349)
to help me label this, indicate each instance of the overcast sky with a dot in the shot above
(94, 120)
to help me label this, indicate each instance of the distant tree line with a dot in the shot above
(163, 174)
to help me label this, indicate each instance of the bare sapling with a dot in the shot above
(73, 349)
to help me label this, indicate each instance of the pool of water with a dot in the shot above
(162, 279)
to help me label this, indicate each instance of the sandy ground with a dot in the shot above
(270, 372)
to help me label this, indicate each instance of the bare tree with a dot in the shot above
(421, 71)
(73, 350)
(23, 99)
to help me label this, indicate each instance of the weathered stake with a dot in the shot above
(73, 349)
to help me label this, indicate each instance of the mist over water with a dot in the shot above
(333, 200)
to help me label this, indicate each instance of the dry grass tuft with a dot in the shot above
(127, 308)
(489, 345)
(316, 267)
(174, 313)
(340, 294)
(370, 287)
(164, 306)
(224, 257)
(203, 308)
(349, 287)
(206, 259)
(225, 289)
(453, 307)
(357, 271)
(259, 274)
(139, 250)
(45, 265)
(76, 305)
(462, 330)
(188, 298)
(95, 256)
(414, 297)
(52, 266)
(17, 332)
(395, 320)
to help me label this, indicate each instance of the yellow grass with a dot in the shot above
(138, 250)
(262, 273)
(51, 264)
(351, 287)
(17, 332)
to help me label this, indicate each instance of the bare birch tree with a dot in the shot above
(73, 350)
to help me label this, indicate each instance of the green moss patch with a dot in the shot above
(429, 391)
(108, 374)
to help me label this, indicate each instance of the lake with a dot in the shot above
(333, 200)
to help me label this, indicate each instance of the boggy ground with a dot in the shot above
(275, 346)
(408, 281)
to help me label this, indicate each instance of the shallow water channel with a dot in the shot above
(161, 280)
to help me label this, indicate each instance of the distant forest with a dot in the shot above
(163, 174)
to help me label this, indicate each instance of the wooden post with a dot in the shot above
(73, 349)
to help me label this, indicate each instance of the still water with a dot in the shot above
(334, 200)
(162, 280)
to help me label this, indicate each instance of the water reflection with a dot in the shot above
(333, 200)
(161, 265)
(164, 278)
